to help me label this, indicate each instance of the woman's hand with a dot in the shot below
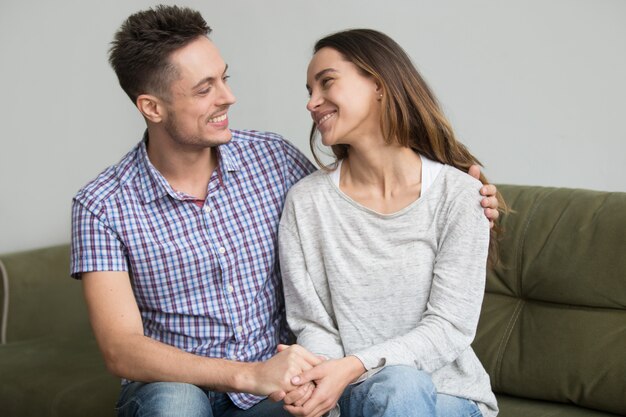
(331, 379)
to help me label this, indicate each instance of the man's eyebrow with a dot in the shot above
(321, 74)
(209, 79)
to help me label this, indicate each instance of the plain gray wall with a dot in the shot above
(535, 88)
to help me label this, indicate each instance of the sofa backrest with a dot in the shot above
(553, 323)
(42, 298)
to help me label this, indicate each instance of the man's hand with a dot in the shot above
(275, 374)
(299, 395)
(331, 378)
(490, 202)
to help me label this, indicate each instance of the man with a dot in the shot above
(176, 244)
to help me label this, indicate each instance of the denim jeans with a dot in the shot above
(173, 399)
(401, 391)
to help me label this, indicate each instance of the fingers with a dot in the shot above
(295, 411)
(474, 171)
(316, 406)
(277, 396)
(490, 203)
(492, 215)
(291, 361)
(488, 190)
(310, 358)
(307, 376)
(300, 395)
(282, 347)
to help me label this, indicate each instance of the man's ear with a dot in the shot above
(151, 107)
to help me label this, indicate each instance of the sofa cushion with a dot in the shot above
(520, 407)
(43, 299)
(553, 323)
(56, 376)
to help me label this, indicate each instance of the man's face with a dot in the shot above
(196, 113)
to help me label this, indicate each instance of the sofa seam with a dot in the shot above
(520, 254)
(504, 341)
(5, 304)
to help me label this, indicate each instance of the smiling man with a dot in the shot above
(176, 244)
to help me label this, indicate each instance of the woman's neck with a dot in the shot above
(385, 179)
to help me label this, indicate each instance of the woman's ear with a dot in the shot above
(151, 107)
(379, 90)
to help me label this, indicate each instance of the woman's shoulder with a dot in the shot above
(306, 197)
(454, 187)
(457, 180)
(310, 184)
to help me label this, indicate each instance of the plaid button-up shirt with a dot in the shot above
(206, 279)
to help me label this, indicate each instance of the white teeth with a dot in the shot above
(218, 119)
(323, 119)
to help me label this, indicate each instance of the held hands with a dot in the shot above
(275, 375)
(490, 202)
(324, 385)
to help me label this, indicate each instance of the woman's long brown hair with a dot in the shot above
(411, 115)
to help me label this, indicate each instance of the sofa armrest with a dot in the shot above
(4, 303)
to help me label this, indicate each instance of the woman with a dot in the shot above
(383, 257)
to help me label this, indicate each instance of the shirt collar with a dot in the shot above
(228, 157)
(154, 185)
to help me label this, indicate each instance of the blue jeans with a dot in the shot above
(401, 391)
(173, 399)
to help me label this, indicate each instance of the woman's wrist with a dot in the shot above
(354, 367)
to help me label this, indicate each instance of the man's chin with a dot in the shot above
(226, 136)
(219, 139)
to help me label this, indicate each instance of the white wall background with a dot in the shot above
(536, 89)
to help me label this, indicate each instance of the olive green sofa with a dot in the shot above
(552, 333)
(49, 362)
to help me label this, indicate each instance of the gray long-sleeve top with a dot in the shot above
(397, 289)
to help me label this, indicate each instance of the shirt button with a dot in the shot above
(230, 289)
(222, 250)
(207, 209)
(239, 329)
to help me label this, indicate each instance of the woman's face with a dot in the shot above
(344, 103)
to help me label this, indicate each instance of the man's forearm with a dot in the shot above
(139, 358)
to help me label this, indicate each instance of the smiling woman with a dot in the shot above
(343, 100)
(383, 253)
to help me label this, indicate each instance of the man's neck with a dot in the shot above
(187, 169)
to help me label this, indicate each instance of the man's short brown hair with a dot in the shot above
(142, 47)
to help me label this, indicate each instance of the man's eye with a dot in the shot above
(225, 78)
(205, 91)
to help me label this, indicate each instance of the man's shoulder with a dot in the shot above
(252, 147)
(109, 182)
(249, 137)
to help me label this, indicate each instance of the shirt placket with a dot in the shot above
(217, 219)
